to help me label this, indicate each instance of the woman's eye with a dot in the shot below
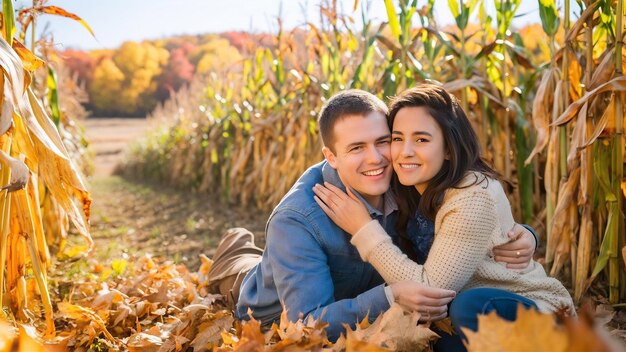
(421, 140)
(396, 139)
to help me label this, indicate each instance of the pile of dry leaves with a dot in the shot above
(150, 306)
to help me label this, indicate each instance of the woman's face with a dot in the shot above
(417, 147)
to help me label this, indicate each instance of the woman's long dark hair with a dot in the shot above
(460, 142)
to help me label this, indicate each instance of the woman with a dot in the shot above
(440, 174)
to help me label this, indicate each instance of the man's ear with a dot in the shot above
(330, 157)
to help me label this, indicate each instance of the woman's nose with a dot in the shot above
(407, 149)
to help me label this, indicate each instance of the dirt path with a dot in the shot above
(109, 137)
(134, 218)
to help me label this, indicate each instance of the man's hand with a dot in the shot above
(430, 302)
(519, 251)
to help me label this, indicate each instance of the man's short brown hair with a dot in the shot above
(342, 104)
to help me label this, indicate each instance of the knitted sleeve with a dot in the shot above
(464, 226)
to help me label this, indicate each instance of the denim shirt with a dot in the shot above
(309, 266)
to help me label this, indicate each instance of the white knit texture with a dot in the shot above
(468, 225)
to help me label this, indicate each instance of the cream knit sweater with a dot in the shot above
(469, 224)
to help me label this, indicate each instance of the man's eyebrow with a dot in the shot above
(355, 144)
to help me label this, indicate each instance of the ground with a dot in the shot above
(138, 218)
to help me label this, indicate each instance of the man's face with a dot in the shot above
(362, 155)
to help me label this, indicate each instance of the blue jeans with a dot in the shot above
(466, 307)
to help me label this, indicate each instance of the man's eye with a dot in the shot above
(356, 149)
(386, 141)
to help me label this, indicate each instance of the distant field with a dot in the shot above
(109, 137)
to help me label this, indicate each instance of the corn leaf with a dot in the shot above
(13, 70)
(616, 84)
(31, 61)
(57, 11)
(454, 8)
(6, 110)
(601, 125)
(8, 20)
(393, 19)
(603, 256)
(549, 15)
(53, 96)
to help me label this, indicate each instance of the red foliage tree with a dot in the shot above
(178, 71)
(80, 63)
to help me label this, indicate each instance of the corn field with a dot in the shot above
(45, 190)
(546, 101)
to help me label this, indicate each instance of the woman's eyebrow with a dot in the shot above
(416, 133)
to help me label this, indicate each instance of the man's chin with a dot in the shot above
(375, 191)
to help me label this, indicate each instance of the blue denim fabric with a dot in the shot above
(467, 305)
(310, 267)
(421, 232)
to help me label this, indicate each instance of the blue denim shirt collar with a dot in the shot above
(331, 176)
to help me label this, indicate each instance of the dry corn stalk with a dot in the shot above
(36, 140)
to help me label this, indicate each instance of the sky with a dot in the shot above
(116, 21)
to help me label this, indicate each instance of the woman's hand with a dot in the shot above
(345, 210)
(430, 302)
(517, 253)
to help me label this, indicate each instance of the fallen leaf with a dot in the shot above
(161, 295)
(84, 314)
(29, 340)
(603, 315)
(587, 334)
(142, 342)
(252, 339)
(532, 331)
(445, 325)
(210, 333)
(8, 333)
(396, 330)
(122, 312)
(174, 343)
(106, 297)
(355, 344)
(203, 271)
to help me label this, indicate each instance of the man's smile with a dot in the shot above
(374, 172)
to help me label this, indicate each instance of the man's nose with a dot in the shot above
(374, 156)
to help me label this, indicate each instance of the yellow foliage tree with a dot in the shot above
(125, 83)
(217, 54)
(106, 85)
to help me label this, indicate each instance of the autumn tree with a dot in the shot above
(107, 83)
(178, 71)
(125, 84)
(80, 64)
(217, 54)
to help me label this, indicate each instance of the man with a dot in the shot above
(309, 266)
